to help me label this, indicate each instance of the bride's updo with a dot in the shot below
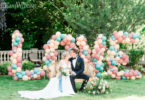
(65, 54)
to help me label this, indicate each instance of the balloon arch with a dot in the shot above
(114, 56)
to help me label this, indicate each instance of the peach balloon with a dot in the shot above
(44, 58)
(19, 69)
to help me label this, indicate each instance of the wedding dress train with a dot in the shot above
(52, 90)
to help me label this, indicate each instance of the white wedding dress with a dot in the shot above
(52, 90)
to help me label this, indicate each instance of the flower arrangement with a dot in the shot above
(98, 87)
(64, 71)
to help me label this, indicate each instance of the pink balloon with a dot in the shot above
(109, 63)
(115, 33)
(48, 75)
(10, 68)
(116, 36)
(114, 71)
(55, 53)
(132, 40)
(88, 56)
(80, 53)
(15, 78)
(28, 73)
(14, 48)
(22, 40)
(118, 77)
(66, 47)
(48, 56)
(84, 39)
(130, 74)
(100, 45)
(19, 65)
(89, 51)
(120, 39)
(19, 59)
(97, 56)
(96, 70)
(54, 37)
(123, 37)
(126, 74)
(111, 67)
(72, 45)
(38, 78)
(42, 73)
(20, 46)
(65, 40)
(97, 50)
(45, 46)
(93, 55)
(62, 43)
(10, 73)
(102, 53)
(81, 47)
(10, 53)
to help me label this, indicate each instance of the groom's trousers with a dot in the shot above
(80, 76)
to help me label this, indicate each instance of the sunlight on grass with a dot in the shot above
(121, 90)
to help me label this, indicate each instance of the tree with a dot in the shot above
(37, 23)
(91, 17)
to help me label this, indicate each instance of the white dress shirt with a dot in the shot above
(74, 62)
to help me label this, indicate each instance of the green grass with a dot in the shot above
(120, 89)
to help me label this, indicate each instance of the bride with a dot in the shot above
(57, 86)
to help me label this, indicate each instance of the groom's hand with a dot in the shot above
(73, 73)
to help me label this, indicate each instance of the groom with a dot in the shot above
(77, 66)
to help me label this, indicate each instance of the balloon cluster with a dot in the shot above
(85, 50)
(116, 57)
(50, 54)
(98, 54)
(16, 58)
(124, 75)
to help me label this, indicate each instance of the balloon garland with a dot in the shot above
(98, 54)
(50, 54)
(16, 58)
(85, 50)
(116, 57)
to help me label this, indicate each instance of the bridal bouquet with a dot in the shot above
(98, 87)
(64, 71)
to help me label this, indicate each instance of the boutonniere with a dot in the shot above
(78, 63)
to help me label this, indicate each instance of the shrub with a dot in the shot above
(3, 68)
(139, 67)
(135, 56)
(28, 65)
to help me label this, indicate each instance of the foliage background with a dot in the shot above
(43, 18)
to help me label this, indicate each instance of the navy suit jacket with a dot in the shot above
(79, 67)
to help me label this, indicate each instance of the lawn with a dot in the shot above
(120, 89)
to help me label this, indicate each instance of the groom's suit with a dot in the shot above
(78, 68)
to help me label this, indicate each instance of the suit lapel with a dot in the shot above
(72, 66)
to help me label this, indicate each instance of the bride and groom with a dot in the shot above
(62, 85)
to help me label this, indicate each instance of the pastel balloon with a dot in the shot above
(10, 73)
(42, 73)
(54, 37)
(15, 78)
(10, 69)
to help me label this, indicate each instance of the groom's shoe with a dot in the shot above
(81, 89)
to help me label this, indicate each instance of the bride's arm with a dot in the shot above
(58, 68)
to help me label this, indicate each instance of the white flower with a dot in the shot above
(94, 92)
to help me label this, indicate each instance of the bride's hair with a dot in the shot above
(64, 54)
